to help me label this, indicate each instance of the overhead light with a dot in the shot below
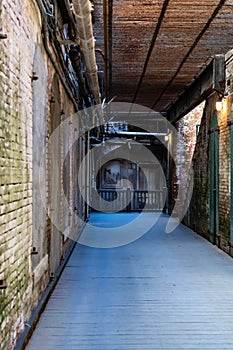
(166, 138)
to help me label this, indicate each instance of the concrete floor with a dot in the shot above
(164, 291)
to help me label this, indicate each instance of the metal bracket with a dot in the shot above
(211, 131)
(2, 284)
(3, 35)
(34, 251)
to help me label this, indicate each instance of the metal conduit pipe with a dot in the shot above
(76, 63)
(47, 49)
(72, 31)
(82, 11)
(139, 133)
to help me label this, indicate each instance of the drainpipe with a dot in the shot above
(82, 12)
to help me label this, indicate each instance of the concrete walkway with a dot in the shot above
(164, 291)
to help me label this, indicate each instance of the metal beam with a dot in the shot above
(196, 41)
(152, 44)
(211, 79)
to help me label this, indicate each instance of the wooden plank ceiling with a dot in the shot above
(153, 49)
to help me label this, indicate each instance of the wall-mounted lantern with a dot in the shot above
(219, 104)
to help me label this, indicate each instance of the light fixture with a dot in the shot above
(219, 105)
(219, 102)
(166, 138)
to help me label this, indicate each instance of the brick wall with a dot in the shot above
(20, 23)
(224, 175)
(184, 146)
(199, 149)
(200, 203)
(25, 126)
(198, 216)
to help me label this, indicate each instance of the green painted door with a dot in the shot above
(214, 178)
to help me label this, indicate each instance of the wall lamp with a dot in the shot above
(219, 102)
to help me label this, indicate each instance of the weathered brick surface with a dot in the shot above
(201, 175)
(224, 175)
(184, 147)
(201, 163)
(15, 162)
(198, 215)
(25, 278)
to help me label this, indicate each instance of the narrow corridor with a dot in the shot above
(164, 291)
(116, 107)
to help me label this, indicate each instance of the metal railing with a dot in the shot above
(130, 200)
